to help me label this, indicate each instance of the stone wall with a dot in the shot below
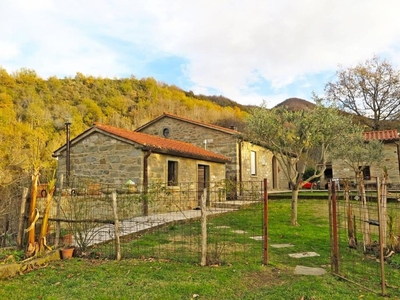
(390, 161)
(217, 141)
(103, 159)
(223, 143)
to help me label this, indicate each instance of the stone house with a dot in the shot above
(114, 156)
(248, 161)
(391, 160)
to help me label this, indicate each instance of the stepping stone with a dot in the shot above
(303, 254)
(222, 227)
(282, 245)
(239, 231)
(302, 270)
(257, 238)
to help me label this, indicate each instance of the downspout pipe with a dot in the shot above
(146, 183)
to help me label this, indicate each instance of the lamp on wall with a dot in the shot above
(207, 142)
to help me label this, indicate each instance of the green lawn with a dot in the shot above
(162, 278)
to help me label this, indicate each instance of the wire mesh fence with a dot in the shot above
(157, 221)
(365, 234)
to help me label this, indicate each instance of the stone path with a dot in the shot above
(105, 233)
(302, 270)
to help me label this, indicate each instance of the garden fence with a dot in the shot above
(84, 216)
(365, 233)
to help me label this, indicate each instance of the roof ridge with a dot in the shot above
(200, 123)
(160, 143)
(383, 135)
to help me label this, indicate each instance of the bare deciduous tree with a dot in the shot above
(371, 89)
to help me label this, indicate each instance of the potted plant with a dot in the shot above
(67, 252)
(67, 241)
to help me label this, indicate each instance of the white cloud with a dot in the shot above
(230, 46)
(8, 50)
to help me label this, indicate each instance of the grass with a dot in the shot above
(163, 278)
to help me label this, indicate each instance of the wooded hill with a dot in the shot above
(33, 111)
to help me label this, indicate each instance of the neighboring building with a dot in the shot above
(391, 160)
(111, 155)
(248, 161)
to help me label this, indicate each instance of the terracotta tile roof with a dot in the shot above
(383, 135)
(211, 126)
(162, 145)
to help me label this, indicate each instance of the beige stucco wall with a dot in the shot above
(264, 166)
(187, 169)
(390, 161)
(222, 143)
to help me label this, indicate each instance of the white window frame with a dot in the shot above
(253, 163)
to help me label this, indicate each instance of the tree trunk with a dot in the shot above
(365, 216)
(350, 221)
(32, 214)
(45, 221)
(21, 218)
(295, 196)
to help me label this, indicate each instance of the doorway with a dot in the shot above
(203, 181)
(275, 172)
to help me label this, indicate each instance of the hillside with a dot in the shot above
(301, 104)
(295, 104)
(33, 112)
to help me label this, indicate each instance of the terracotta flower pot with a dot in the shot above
(67, 253)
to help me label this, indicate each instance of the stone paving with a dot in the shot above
(105, 233)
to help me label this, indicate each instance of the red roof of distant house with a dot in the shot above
(211, 126)
(383, 135)
(159, 144)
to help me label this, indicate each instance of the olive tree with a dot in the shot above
(357, 153)
(370, 90)
(298, 139)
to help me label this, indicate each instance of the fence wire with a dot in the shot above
(157, 222)
(362, 230)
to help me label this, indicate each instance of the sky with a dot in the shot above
(250, 51)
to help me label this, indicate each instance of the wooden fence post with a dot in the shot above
(381, 237)
(265, 221)
(203, 228)
(116, 226)
(58, 212)
(21, 218)
(335, 258)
